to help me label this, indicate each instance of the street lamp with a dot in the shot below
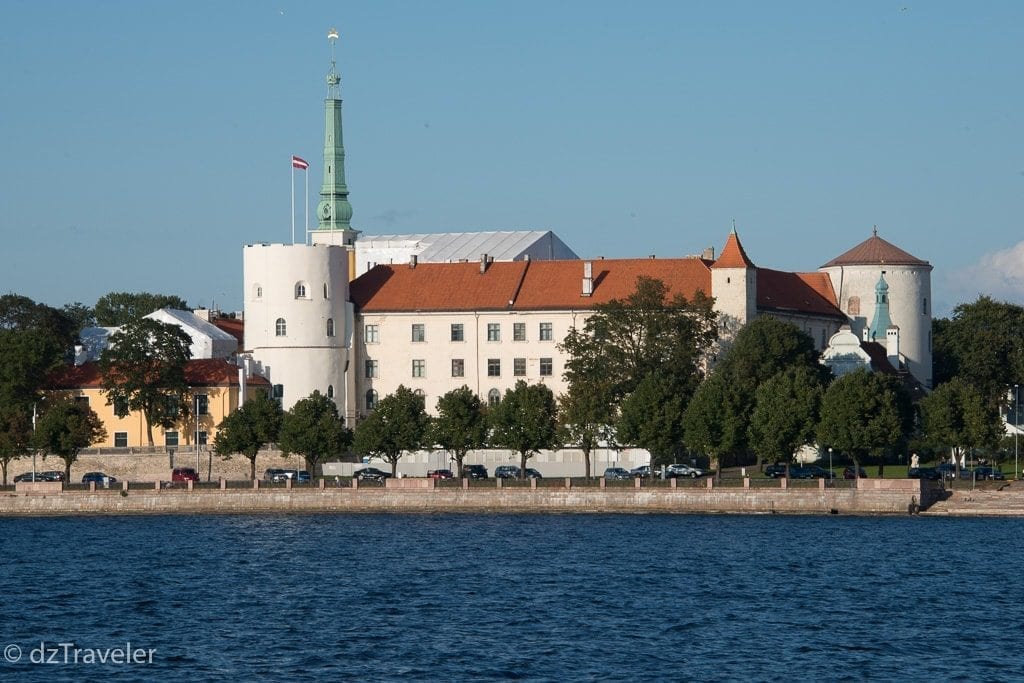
(830, 463)
(1016, 427)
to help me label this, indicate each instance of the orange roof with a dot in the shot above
(203, 372)
(518, 285)
(876, 251)
(233, 326)
(733, 255)
(802, 292)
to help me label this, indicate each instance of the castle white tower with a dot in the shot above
(856, 278)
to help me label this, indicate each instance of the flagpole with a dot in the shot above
(293, 200)
(307, 203)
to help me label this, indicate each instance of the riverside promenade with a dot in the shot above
(411, 495)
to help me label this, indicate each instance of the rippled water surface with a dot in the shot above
(566, 597)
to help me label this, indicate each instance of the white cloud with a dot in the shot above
(999, 274)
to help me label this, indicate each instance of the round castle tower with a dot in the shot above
(855, 276)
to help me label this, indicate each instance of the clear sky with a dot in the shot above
(143, 143)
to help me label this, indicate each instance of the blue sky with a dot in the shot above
(145, 143)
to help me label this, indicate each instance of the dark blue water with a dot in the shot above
(568, 597)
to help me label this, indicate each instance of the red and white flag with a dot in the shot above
(299, 162)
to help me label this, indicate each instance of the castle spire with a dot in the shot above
(881, 320)
(334, 212)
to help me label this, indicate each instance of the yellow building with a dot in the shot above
(214, 387)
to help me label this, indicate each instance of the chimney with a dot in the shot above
(412, 261)
(588, 278)
(709, 254)
(483, 263)
(892, 345)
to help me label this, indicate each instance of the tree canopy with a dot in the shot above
(249, 429)
(119, 308)
(398, 423)
(710, 422)
(786, 412)
(65, 428)
(525, 421)
(460, 425)
(652, 418)
(956, 416)
(313, 429)
(34, 339)
(144, 369)
(585, 418)
(15, 435)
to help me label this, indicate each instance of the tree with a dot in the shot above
(80, 314)
(313, 429)
(65, 429)
(652, 418)
(525, 421)
(120, 308)
(144, 369)
(763, 348)
(460, 425)
(786, 413)
(710, 423)
(864, 413)
(398, 423)
(249, 429)
(981, 344)
(585, 417)
(34, 340)
(956, 416)
(15, 436)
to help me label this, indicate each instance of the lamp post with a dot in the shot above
(1016, 427)
(830, 464)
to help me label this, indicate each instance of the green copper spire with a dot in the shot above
(334, 212)
(881, 321)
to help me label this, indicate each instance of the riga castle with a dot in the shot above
(436, 312)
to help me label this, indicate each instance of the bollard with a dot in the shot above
(711, 483)
(465, 483)
(223, 484)
(124, 485)
(533, 483)
(190, 483)
(746, 482)
(675, 482)
(92, 487)
(355, 482)
(157, 485)
(323, 484)
(603, 482)
(255, 484)
(784, 482)
(821, 484)
(498, 481)
(288, 483)
(636, 482)
(568, 482)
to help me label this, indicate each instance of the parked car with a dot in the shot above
(811, 472)
(303, 477)
(853, 473)
(184, 474)
(474, 471)
(613, 473)
(506, 472)
(775, 471)
(98, 477)
(275, 474)
(51, 475)
(371, 474)
(988, 473)
(948, 471)
(439, 474)
(644, 471)
(929, 473)
(29, 476)
(681, 470)
(533, 474)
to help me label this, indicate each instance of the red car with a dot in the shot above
(184, 474)
(439, 474)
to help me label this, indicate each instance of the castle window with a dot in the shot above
(330, 391)
(494, 332)
(924, 306)
(330, 327)
(325, 290)
(300, 290)
(519, 367)
(170, 438)
(280, 328)
(853, 305)
(547, 332)
(372, 369)
(545, 367)
(257, 291)
(494, 367)
(418, 332)
(493, 397)
(518, 331)
(120, 439)
(457, 332)
(371, 399)
(419, 367)
(458, 367)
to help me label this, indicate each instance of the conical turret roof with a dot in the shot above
(733, 255)
(876, 251)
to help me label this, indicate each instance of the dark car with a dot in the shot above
(677, 470)
(811, 472)
(275, 474)
(372, 474)
(98, 477)
(929, 473)
(29, 476)
(988, 473)
(506, 472)
(184, 474)
(614, 473)
(533, 474)
(439, 474)
(474, 471)
(303, 477)
(853, 473)
(644, 471)
(775, 471)
(51, 475)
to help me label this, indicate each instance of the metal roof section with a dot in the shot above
(453, 247)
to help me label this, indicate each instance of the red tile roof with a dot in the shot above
(733, 255)
(876, 251)
(233, 326)
(810, 293)
(203, 372)
(518, 285)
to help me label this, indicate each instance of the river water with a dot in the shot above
(525, 597)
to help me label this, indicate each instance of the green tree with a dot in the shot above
(313, 429)
(398, 423)
(956, 416)
(80, 314)
(65, 429)
(585, 418)
(710, 423)
(786, 412)
(865, 413)
(249, 429)
(525, 421)
(15, 436)
(144, 369)
(34, 340)
(460, 425)
(120, 308)
(982, 344)
(652, 418)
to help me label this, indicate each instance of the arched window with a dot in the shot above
(330, 391)
(280, 327)
(257, 291)
(371, 399)
(325, 290)
(300, 290)
(493, 397)
(330, 327)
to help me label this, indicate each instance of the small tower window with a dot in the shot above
(330, 391)
(258, 291)
(325, 290)
(300, 290)
(371, 399)
(330, 327)
(280, 327)
(924, 306)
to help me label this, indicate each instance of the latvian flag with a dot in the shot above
(299, 162)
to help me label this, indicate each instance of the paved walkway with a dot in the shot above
(1008, 501)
